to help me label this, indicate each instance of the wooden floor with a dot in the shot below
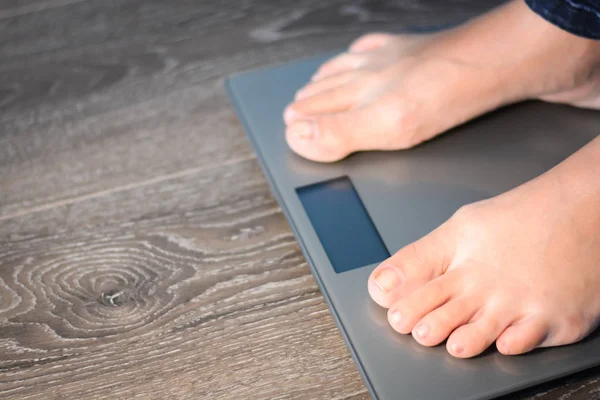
(141, 252)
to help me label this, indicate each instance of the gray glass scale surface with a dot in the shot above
(386, 200)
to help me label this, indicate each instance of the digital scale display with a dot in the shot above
(342, 224)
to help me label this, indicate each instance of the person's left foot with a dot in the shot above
(521, 269)
(391, 92)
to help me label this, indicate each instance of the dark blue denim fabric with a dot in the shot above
(580, 17)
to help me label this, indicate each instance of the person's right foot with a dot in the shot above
(391, 92)
(521, 269)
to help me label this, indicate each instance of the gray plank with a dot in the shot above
(202, 284)
(93, 22)
(14, 8)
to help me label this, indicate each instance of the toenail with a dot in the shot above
(456, 349)
(422, 330)
(387, 279)
(302, 129)
(395, 317)
(289, 115)
(300, 94)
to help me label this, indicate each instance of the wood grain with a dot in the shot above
(141, 252)
(165, 298)
(136, 93)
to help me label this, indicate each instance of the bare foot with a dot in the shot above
(521, 269)
(392, 92)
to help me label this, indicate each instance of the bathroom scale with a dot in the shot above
(350, 215)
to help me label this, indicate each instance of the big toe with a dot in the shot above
(411, 267)
(331, 136)
(323, 138)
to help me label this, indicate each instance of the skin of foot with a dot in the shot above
(521, 269)
(391, 92)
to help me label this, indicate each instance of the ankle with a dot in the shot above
(565, 63)
(526, 56)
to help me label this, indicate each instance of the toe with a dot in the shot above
(333, 100)
(411, 267)
(331, 137)
(475, 337)
(522, 337)
(342, 63)
(322, 85)
(323, 138)
(436, 326)
(347, 119)
(372, 41)
(414, 306)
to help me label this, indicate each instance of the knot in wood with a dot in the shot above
(113, 298)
